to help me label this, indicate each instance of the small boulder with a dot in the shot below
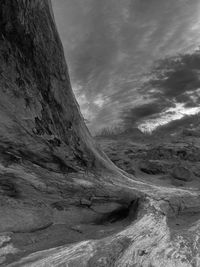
(151, 167)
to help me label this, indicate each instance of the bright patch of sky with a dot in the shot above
(170, 114)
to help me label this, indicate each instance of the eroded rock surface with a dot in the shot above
(62, 201)
(164, 162)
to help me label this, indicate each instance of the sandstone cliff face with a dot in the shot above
(62, 201)
(40, 119)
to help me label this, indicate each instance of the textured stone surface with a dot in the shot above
(182, 173)
(62, 201)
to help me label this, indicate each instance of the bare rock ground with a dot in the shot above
(174, 162)
(155, 223)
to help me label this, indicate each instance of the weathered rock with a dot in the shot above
(191, 132)
(19, 217)
(182, 173)
(63, 201)
(152, 167)
(179, 150)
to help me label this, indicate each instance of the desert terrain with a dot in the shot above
(68, 199)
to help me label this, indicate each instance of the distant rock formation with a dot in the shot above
(134, 132)
(62, 201)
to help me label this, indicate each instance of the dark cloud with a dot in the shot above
(132, 117)
(177, 78)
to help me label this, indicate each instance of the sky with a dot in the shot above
(112, 45)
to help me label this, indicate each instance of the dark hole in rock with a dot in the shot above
(57, 205)
(70, 125)
(124, 212)
(55, 142)
(8, 188)
(142, 252)
(150, 171)
(182, 154)
(151, 167)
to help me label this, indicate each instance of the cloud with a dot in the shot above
(177, 78)
(135, 116)
(110, 44)
(173, 90)
(190, 120)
